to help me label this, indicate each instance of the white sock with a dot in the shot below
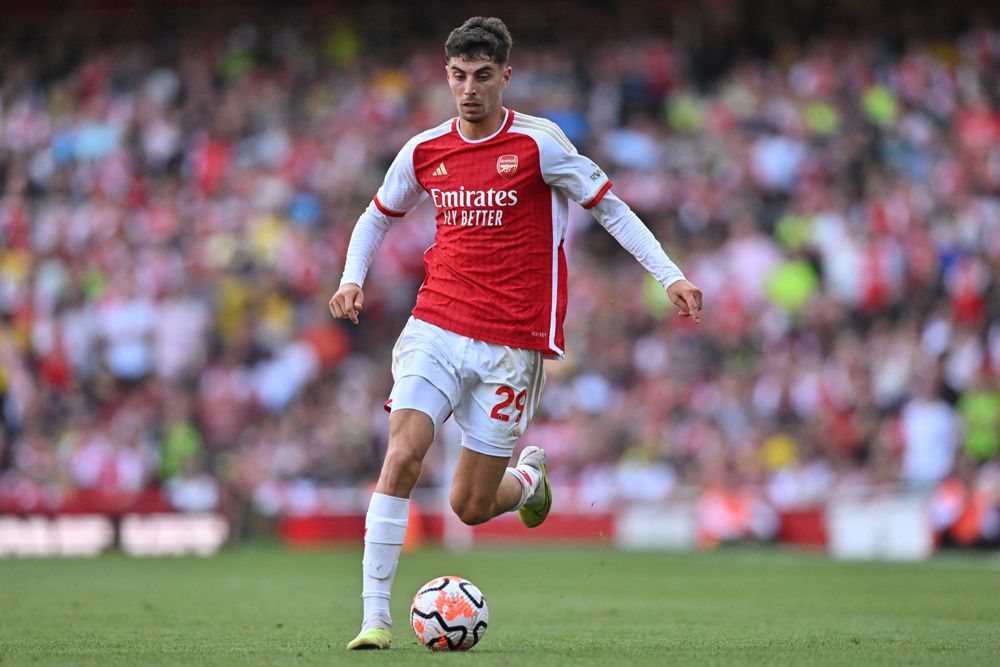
(385, 531)
(529, 479)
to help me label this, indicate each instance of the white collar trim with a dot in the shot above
(458, 128)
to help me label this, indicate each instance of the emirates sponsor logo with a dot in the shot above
(473, 208)
(507, 165)
(462, 198)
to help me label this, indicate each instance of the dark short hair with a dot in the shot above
(479, 38)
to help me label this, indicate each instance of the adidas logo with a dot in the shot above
(441, 171)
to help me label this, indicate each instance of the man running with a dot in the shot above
(492, 303)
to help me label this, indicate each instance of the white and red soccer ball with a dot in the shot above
(449, 614)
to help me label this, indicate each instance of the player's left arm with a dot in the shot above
(585, 183)
(622, 223)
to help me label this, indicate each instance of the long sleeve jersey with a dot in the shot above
(497, 270)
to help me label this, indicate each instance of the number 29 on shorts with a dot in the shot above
(510, 396)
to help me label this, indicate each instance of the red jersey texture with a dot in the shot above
(496, 271)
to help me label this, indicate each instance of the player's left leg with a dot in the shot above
(484, 486)
(494, 411)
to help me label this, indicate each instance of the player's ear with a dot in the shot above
(506, 77)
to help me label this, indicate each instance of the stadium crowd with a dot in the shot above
(173, 224)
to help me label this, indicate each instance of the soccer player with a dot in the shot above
(491, 306)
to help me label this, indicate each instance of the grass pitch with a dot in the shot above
(268, 606)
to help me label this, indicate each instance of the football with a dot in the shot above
(449, 614)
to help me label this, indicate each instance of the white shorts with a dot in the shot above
(492, 390)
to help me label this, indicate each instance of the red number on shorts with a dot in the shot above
(496, 414)
(518, 403)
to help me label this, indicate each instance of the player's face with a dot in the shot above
(476, 85)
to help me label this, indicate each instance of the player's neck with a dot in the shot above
(487, 127)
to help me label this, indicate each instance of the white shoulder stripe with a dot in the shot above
(568, 147)
(546, 126)
(538, 120)
(543, 122)
(535, 128)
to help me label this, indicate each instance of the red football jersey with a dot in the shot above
(496, 271)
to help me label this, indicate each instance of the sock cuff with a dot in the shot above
(523, 478)
(525, 483)
(389, 507)
(387, 519)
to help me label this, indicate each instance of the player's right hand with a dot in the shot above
(347, 302)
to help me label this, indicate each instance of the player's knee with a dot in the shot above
(471, 516)
(469, 513)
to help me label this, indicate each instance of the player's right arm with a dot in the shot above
(400, 193)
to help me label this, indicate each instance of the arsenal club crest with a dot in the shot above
(507, 165)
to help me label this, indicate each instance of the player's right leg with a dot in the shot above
(411, 432)
(422, 398)
(410, 435)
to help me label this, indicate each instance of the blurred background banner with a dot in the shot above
(179, 181)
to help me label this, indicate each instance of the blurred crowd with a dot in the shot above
(173, 225)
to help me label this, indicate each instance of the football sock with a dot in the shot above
(528, 478)
(385, 531)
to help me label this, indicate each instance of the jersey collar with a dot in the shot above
(503, 128)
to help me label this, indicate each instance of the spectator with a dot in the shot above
(931, 436)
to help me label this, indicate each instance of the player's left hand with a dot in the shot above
(686, 296)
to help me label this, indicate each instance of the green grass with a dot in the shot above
(268, 606)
